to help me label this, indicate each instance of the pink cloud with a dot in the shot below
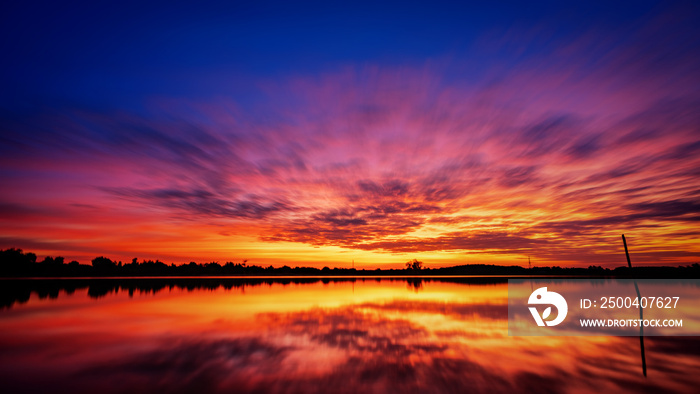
(555, 151)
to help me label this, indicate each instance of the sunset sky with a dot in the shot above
(305, 133)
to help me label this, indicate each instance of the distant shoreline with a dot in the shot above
(14, 263)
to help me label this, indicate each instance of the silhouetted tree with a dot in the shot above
(50, 261)
(15, 262)
(414, 265)
(15, 257)
(103, 263)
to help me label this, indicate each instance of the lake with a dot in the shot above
(300, 335)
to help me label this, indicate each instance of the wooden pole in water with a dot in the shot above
(627, 253)
(641, 315)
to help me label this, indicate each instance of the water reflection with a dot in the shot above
(306, 335)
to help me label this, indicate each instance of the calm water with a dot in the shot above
(307, 335)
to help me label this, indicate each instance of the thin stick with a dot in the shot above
(624, 241)
(641, 316)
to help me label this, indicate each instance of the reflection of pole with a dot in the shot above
(641, 310)
(641, 330)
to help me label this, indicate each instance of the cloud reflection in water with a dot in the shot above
(312, 337)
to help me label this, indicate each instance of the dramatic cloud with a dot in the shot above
(551, 156)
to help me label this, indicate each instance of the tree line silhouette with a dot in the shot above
(16, 263)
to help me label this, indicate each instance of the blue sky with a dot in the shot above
(118, 54)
